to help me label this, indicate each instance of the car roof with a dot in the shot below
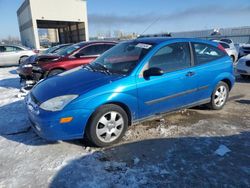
(153, 40)
(59, 45)
(95, 42)
(159, 40)
(19, 46)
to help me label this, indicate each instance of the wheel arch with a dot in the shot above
(228, 82)
(125, 108)
(57, 68)
(234, 58)
(54, 68)
(120, 104)
(22, 56)
(226, 77)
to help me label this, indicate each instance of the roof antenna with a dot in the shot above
(150, 25)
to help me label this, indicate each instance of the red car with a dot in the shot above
(68, 58)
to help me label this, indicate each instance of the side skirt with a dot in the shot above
(158, 115)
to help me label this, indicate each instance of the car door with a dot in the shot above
(172, 90)
(11, 55)
(207, 66)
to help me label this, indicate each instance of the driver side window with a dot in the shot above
(95, 50)
(172, 57)
(88, 51)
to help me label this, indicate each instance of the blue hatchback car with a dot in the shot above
(131, 82)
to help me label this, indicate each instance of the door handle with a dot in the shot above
(190, 73)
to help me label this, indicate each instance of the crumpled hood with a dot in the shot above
(47, 58)
(29, 60)
(42, 58)
(75, 81)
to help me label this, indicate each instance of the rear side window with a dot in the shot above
(205, 53)
(95, 49)
(10, 49)
(172, 57)
(224, 45)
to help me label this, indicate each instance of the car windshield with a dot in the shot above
(122, 58)
(56, 51)
(50, 50)
(68, 50)
(226, 40)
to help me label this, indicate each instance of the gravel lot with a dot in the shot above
(190, 148)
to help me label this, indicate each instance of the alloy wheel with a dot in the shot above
(220, 96)
(109, 126)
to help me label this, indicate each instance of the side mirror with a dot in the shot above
(153, 71)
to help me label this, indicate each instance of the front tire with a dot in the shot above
(219, 96)
(107, 125)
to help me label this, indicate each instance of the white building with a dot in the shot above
(67, 17)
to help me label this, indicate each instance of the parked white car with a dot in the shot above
(230, 49)
(243, 66)
(13, 55)
(244, 49)
(228, 41)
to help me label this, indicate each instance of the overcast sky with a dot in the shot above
(137, 15)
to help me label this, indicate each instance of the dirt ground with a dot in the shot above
(190, 148)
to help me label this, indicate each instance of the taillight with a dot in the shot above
(221, 48)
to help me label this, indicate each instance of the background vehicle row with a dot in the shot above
(12, 54)
(42, 66)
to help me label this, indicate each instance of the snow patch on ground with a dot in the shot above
(13, 117)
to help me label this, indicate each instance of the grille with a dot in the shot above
(246, 48)
(34, 100)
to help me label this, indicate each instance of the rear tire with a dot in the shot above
(55, 72)
(107, 125)
(219, 96)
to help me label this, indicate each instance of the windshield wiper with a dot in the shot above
(89, 67)
(105, 69)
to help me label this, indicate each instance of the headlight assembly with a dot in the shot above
(27, 66)
(57, 103)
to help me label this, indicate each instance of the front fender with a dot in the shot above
(94, 102)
